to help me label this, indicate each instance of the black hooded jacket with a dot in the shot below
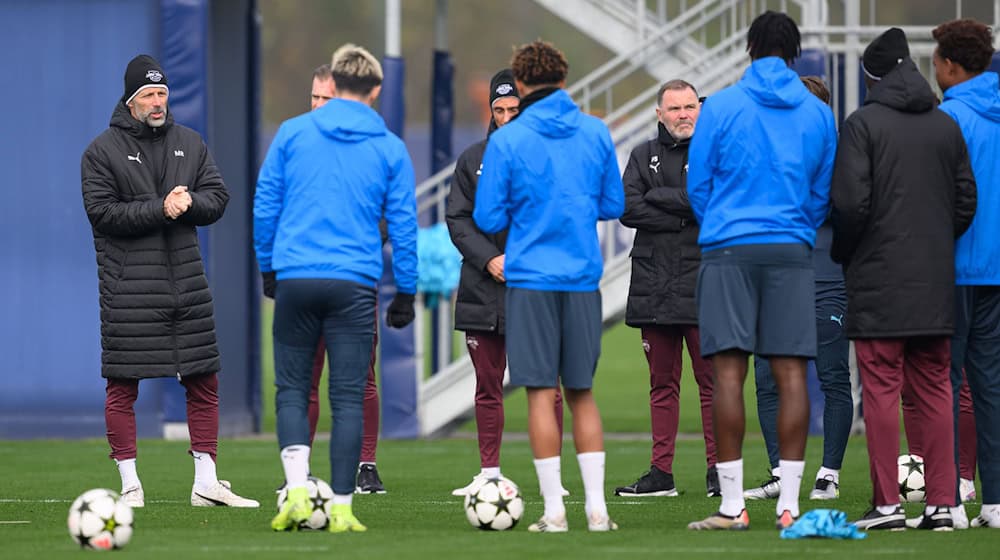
(156, 308)
(902, 192)
(479, 305)
(665, 256)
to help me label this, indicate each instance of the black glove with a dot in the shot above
(400, 311)
(270, 283)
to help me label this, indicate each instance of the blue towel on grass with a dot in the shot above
(825, 523)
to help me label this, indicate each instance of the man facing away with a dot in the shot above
(902, 192)
(479, 306)
(329, 177)
(758, 182)
(963, 54)
(147, 184)
(550, 176)
(661, 301)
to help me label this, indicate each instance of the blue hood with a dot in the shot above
(555, 116)
(348, 121)
(770, 82)
(981, 94)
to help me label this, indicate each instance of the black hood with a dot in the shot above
(903, 89)
(122, 118)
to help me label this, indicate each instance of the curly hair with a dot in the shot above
(966, 42)
(774, 34)
(539, 63)
(817, 87)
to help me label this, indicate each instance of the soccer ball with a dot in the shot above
(100, 520)
(494, 505)
(911, 478)
(321, 496)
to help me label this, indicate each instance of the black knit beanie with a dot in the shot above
(142, 72)
(502, 85)
(884, 53)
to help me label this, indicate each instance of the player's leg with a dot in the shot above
(927, 365)
(663, 345)
(348, 328)
(369, 481)
(833, 370)
(983, 370)
(880, 364)
(319, 360)
(703, 376)
(119, 418)
(580, 348)
(966, 444)
(299, 307)
(727, 295)
(489, 358)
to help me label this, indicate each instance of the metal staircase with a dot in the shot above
(702, 42)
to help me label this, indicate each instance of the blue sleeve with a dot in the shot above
(819, 190)
(612, 203)
(269, 200)
(492, 211)
(401, 218)
(701, 157)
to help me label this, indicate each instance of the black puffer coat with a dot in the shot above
(902, 192)
(156, 308)
(479, 305)
(665, 256)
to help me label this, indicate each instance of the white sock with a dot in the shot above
(928, 510)
(776, 471)
(295, 460)
(887, 509)
(791, 483)
(731, 485)
(342, 499)
(130, 478)
(362, 463)
(551, 485)
(204, 470)
(828, 474)
(592, 471)
(490, 472)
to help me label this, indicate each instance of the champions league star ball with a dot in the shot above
(494, 505)
(911, 478)
(321, 496)
(100, 520)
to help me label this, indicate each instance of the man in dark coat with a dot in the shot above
(661, 300)
(902, 192)
(479, 310)
(147, 184)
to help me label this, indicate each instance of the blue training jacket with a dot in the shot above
(550, 175)
(329, 177)
(761, 159)
(975, 104)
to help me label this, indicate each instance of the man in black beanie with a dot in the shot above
(479, 309)
(147, 184)
(902, 192)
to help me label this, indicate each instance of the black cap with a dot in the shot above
(885, 52)
(502, 85)
(142, 72)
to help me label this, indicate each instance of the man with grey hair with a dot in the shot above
(661, 298)
(317, 232)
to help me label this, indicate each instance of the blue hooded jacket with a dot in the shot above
(761, 160)
(975, 105)
(328, 178)
(550, 175)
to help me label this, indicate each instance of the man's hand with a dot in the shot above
(177, 202)
(400, 311)
(270, 280)
(495, 268)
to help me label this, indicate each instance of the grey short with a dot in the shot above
(759, 299)
(553, 336)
